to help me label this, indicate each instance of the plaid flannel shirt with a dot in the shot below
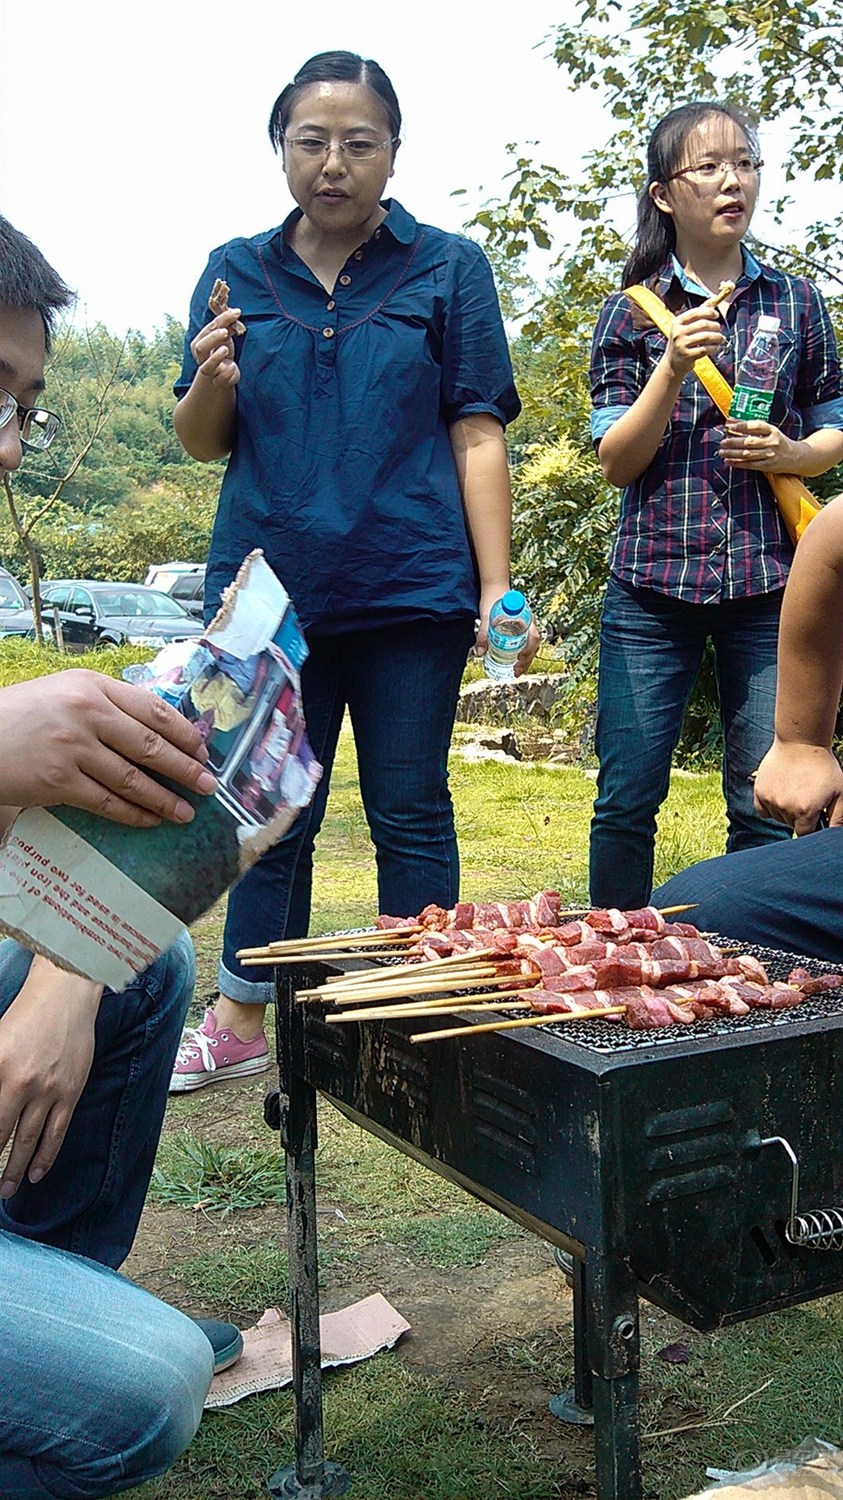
(690, 526)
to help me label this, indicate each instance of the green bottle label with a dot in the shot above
(751, 406)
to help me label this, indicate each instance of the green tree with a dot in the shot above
(115, 491)
(778, 61)
(173, 518)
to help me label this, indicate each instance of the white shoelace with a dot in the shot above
(196, 1037)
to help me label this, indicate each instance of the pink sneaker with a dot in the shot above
(207, 1054)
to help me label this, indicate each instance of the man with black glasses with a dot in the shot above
(103, 1385)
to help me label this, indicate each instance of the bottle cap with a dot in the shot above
(768, 325)
(513, 602)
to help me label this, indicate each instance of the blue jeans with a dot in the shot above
(651, 647)
(400, 686)
(102, 1386)
(787, 895)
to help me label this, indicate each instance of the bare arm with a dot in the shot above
(631, 443)
(483, 472)
(83, 739)
(46, 1050)
(799, 777)
(206, 418)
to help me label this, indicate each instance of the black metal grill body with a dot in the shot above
(640, 1152)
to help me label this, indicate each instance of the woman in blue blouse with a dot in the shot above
(362, 416)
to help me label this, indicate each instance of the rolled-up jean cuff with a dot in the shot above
(247, 991)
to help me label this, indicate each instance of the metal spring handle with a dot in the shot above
(822, 1229)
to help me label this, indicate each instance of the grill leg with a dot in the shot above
(611, 1298)
(311, 1478)
(583, 1383)
(576, 1406)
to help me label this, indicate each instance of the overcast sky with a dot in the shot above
(133, 137)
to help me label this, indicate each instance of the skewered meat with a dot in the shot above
(539, 914)
(542, 910)
(664, 973)
(649, 1008)
(814, 984)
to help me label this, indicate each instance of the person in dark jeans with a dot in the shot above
(788, 895)
(102, 1385)
(362, 417)
(701, 553)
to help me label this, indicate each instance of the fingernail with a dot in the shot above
(184, 813)
(207, 782)
(35, 1174)
(7, 1189)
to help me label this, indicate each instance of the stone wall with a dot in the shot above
(531, 697)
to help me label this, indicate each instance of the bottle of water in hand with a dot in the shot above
(509, 626)
(755, 385)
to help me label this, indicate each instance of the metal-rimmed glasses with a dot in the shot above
(37, 427)
(355, 148)
(714, 171)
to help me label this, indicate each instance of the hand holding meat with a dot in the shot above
(218, 303)
(213, 349)
(796, 783)
(694, 333)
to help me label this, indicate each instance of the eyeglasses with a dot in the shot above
(358, 148)
(37, 427)
(715, 171)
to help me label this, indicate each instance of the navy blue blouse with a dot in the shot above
(342, 469)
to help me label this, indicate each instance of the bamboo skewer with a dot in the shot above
(328, 941)
(556, 1016)
(276, 960)
(340, 994)
(666, 911)
(450, 961)
(363, 994)
(421, 986)
(492, 1001)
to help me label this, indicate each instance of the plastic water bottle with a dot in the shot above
(509, 625)
(758, 373)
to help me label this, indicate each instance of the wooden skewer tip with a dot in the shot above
(577, 1015)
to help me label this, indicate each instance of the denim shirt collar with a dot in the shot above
(398, 222)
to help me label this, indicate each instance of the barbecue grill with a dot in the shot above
(697, 1166)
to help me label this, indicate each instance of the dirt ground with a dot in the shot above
(464, 1320)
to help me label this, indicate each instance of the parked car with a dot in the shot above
(111, 614)
(189, 589)
(163, 575)
(16, 617)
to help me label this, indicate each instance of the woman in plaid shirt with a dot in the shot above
(701, 552)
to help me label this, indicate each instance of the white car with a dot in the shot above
(163, 575)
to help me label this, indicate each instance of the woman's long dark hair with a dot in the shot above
(655, 238)
(334, 67)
